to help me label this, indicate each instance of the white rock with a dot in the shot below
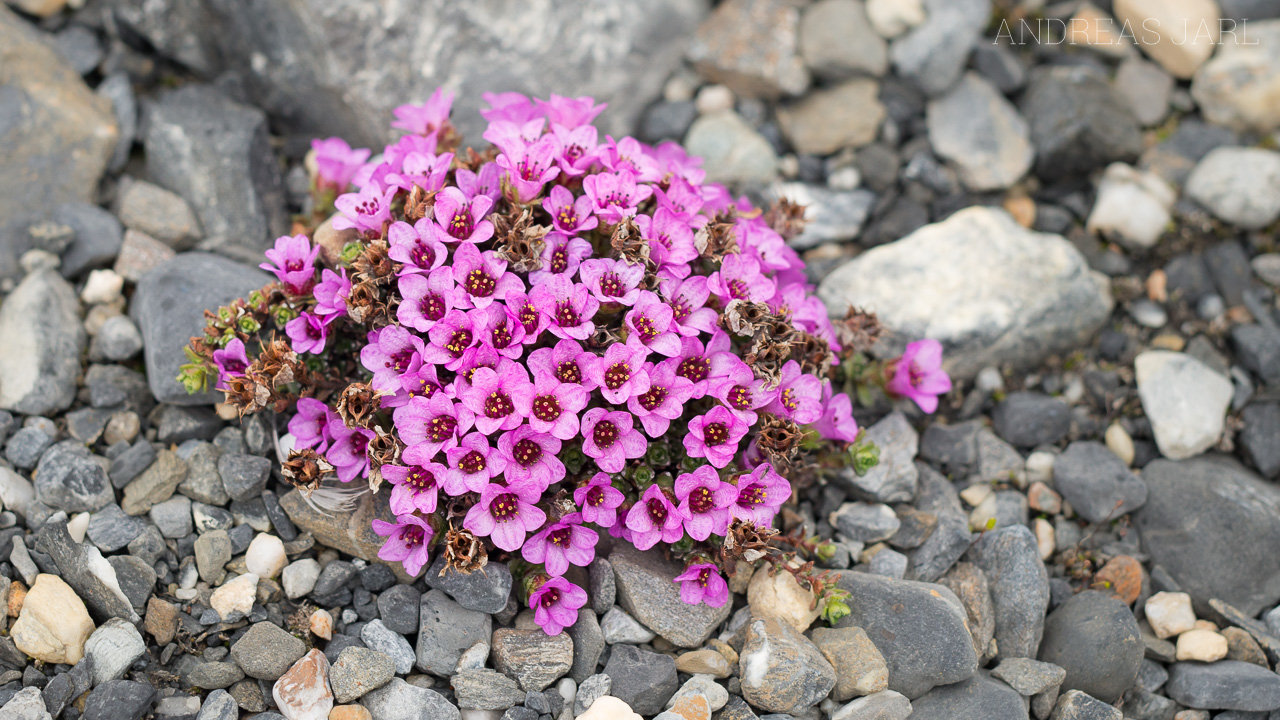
(103, 570)
(53, 624)
(779, 595)
(713, 98)
(26, 704)
(1265, 266)
(992, 291)
(981, 133)
(78, 525)
(1184, 399)
(703, 685)
(884, 705)
(891, 18)
(321, 623)
(568, 689)
(474, 657)
(265, 556)
(1239, 86)
(618, 626)
(1201, 645)
(235, 598)
(1040, 467)
(1045, 535)
(16, 492)
(1169, 614)
(303, 693)
(1133, 207)
(101, 287)
(113, 648)
(299, 578)
(1239, 185)
(1178, 34)
(609, 707)
(473, 714)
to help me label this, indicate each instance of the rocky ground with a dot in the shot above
(1089, 529)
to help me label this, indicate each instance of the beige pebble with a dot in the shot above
(1119, 443)
(1201, 645)
(1170, 614)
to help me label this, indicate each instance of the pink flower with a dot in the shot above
(308, 333)
(570, 112)
(394, 155)
(505, 515)
(531, 457)
(739, 278)
(426, 118)
(310, 427)
(426, 299)
(418, 247)
(428, 425)
(837, 421)
(562, 544)
(704, 365)
(407, 541)
(568, 215)
(612, 281)
(413, 487)
(514, 137)
(704, 502)
(742, 392)
(480, 356)
(396, 352)
(483, 275)
(615, 196)
(681, 198)
(687, 299)
(366, 211)
(629, 156)
(715, 436)
(554, 405)
(663, 401)
(918, 375)
(619, 373)
(599, 500)
(799, 395)
(336, 162)
(347, 453)
(760, 495)
(422, 170)
(555, 604)
(578, 150)
(702, 583)
(670, 239)
(568, 305)
(566, 362)
(499, 327)
(462, 218)
(610, 438)
(492, 398)
(525, 314)
(472, 464)
(423, 383)
(231, 360)
(294, 267)
(332, 292)
(450, 338)
(508, 107)
(561, 255)
(531, 167)
(649, 325)
(654, 518)
(487, 182)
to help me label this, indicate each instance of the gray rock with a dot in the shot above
(398, 700)
(977, 697)
(1075, 705)
(377, 637)
(1019, 588)
(359, 671)
(265, 651)
(1233, 87)
(1011, 295)
(893, 479)
(1029, 677)
(486, 690)
(219, 705)
(919, 628)
(69, 479)
(647, 591)
(1078, 122)
(140, 254)
(110, 529)
(26, 704)
(837, 40)
(84, 569)
(1258, 349)
(1146, 87)
(136, 577)
(1028, 419)
(26, 446)
(933, 54)
(1094, 637)
(588, 644)
(210, 675)
(533, 657)
(98, 237)
(119, 700)
(618, 627)
(591, 689)
(1097, 483)
(398, 609)
(781, 670)
(642, 679)
(864, 522)
(57, 137)
(112, 648)
(949, 539)
(156, 484)
(208, 518)
(485, 591)
(40, 321)
(667, 121)
(602, 588)
(752, 48)
(159, 213)
(1238, 185)
(113, 385)
(883, 705)
(213, 552)
(118, 339)
(1177, 156)
(117, 88)
(203, 484)
(1260, 437)
(183, 32)
(172, 517)
(970, 585)
(731, 150)
(1206, 509)
(244, 476)
(848, 115)
(830, 215)
(981, 133)
(169, 306)
(1224, 685)
(215, 153)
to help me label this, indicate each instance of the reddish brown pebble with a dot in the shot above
(1123, 576)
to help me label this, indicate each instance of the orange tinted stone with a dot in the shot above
(1123, 575)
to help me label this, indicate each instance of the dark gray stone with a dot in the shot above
(603, 588)
(642, 679)
(1028, 419)
(1001, 66)
(1228, 266)
(1210, 523)
(112, 386)
(485, 591)
(1258, 349)
(1075, 705)
(334, 577)
(110, 529)
(1094, 637)
(1019, 586)
(445, 631)
(949, 539)
(265, 651)
(220, 705)
(919, 628)
(1097, 483)
(782, 670)
(1224, 685)
(44, 340)
(68, 478)
(177, 423)
(359, 671)
(647, 592)
(136, 577)
(486, 689)
(288, 533)
(244, 476)
(1078, 124)
(119, 700)
(26, 446)
(954, 448)
(667, 121)
(398, 700)
(1260, 437)
(169, 306)
(588, 644)
(398, 608)
(132, 462)
(977, 697)
(98, 237)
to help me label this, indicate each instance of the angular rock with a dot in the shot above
(990, 290)
(588, 644)
(169, 306)
(864, 522)
(265, 651)
(893, 479)
(1238, 185)
(732, 151)
(53, 625)
(84, 568)
(159, 213)
(1183, 33)
(752, 48)
(359, 671)
(1260, 438)
(1078, 123)
(647, 591)
(1184, 399)
(1236, 87)
(98, 236)
(837, 40)
(1029, 677)
(112, 648)
(977, 697)
(859, 666)
(981, 133)
(1019, 585)
(446, 629)
(826, 121)
(398, 700)
(352, 533)
(120, 700)
(44, 339)
(1094, 637)
(155, 485)
(67, 478)
(533, 657)
(934, 53)
(830, 215)
(1133, 207)
(950, 538)
(1224, 685)
(1097, 483)
(970, 585)
(1028, 419)
(486, 690)
(643, 680)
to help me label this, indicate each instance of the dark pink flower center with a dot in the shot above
(529, 318)
(567, 217)
(595, 496)
(550, 598)
(370, 206)
(695, 369)
(233, 365)
(657, 511)
(422, 254)
(480, 283)
(752, 495)
(617, 375)
(737, 289)
(611, 285)
(568, 372)
(400, 360)
(704, 576)
(500, 337)
(473, 462)
(567, 315)
(498, 405)
(546, 408)
(715, 434)
(420, 478)
(739, 397)
(680, 309)
(292, 265)
(459, 343)
(653, 399)
(560, 259)
(505, 507)
(441, 428)
(562, 537)
(701, 500)
(358, 443)
(645, 328)
(425, 389)
(461, 226)
(432, 306)
(527, 452)
(788, 399)
(315, 332)
(412, 535)
(605, 434)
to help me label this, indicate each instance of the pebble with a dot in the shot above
(265, 651)
(1224, 685)
(827, 121)
(1147, 89)
(359, 671)
(102, 286)
(112, 648)
(601, 587)
(398, 700)
(860, 668)
(484, 689)
(1097, 483)
(1078, 122)
(1184, 399)
(837, 40)
(934, 53)
(642, 679)
(1120, 443)
(212, 552)
(534, 658)
(1201, 646)
(1238, 185)
(895, 476)
(321, 624)
(865, 522)
(752, 48)
(1185, 31)
(1075, 705)
(485, 592)
(53, 625)
(891, 18)
(777, 594)
(120, 700)
(609, 708)
(646, 590)
(1019, 586)
(619, 627)
(830, 215)
(1124, 576)
(1169, 614)
(981, 133)
(703, 662)
(1027, 676)
(393, 644)
(1267, 267)
(1133, 207)
(68, 478)
(883, 705)
(159, 213)
(732, 151)
(1094, 637)
(977, 697)
(25, 447)
(1233, 88)
(235, 598)
(1028, 419)
(447, 630)
(265, 557)
(155, 485)
(303, 693)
